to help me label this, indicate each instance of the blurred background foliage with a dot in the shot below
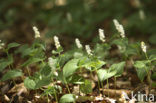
(76, 18)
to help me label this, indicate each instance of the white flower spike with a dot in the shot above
(119, 28)
(50, 62)
(1, 44)
(37, 33)
(143, 47)
(57, 43)
(101, 35)
(78, 44)
(89, 52)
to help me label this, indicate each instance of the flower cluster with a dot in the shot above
(37, 33)
(57, 43)
(51, 63)
(119, 28)
(89, 51)
(143, 47)
(1, 44)
(78, 44)
(101, 35)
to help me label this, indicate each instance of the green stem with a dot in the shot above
(68, 88)
(98, 82)
(55, 92)
(28, 71)
(102, 88)
(47, 99)
(108, 86)
(115, 86)
(149, 73)
(67, 85)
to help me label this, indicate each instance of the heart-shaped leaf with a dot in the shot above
(103, 74)
(118, 68)
(67, 98)
(29, 83)
(70, 67)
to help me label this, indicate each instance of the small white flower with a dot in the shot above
(55, 73)
(89, 52)
(119, 28)
(1, 44)
(69, 17)
(142, 14)
(78, 44)
(50, 62)
(101, 35)
(143, 47)
(37, 33)
(57, 43)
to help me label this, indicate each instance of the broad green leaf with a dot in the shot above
(86, 87)
(153, 76)
(67, 98)
(11, 74)
(70, 67)
(12, 45)
(29, 83)
(31, 61)
(141, 72)
(118, 68)
(140, 64)
(103, 74)
(6, 62)
(43, 82)
(45, 71)
(141, 69)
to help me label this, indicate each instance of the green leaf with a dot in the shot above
(153, 76)
(11, 74)
(103, 74)
(45, 71)
(43, 82)
(12, 45)
(31, 61)
(140, 64)
(86, 87)
(5, 63)
(118, 68)
(141, 69)
(141, 72)
(70, 67)
(67, 98)
(29, 83)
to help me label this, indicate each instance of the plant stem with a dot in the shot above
(102, 88)
(98, 82)
(28, 71)
(115, 85)
(108, 86)
(149, 73)
(68, 88)
(55, 91)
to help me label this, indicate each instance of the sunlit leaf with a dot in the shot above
(67, 98)
(70, 67)
(103, 74)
